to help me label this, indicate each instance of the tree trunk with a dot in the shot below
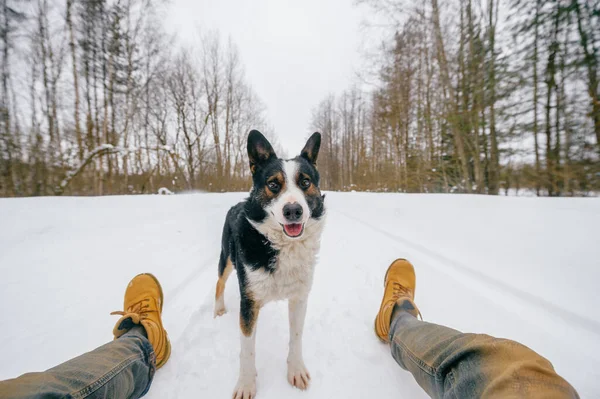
(587, 40)
(551, 85)
(451, 99)
(567, 130)
(494, 166)
(538, 173)
(6, 184)
(475, 86)
(69, 18)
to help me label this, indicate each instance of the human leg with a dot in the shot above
(447, 363)
(122, 368)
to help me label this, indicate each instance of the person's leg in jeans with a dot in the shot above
(123, 368)
(449, 364)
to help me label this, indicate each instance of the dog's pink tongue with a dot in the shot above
(293, 230)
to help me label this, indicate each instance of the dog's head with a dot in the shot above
(285, 192)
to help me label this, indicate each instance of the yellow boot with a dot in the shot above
(143, 305)
(400, 284)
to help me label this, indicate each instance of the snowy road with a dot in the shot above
(520, 268)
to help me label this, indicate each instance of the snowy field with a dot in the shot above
(521, 268)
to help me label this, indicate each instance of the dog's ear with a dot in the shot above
(259, 149)
(310, 152)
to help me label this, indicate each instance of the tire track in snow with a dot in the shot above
(590, 325)
(199, 271)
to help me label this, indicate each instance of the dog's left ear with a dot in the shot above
(260, 150)
(310, 152)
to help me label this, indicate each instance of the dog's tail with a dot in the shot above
(225, 266)
(226, 249)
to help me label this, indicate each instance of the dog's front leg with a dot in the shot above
(246, 386)
(298, 375)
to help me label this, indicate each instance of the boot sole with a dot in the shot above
(162, 301)
(167, 355)
(375, 330)
(385, 341)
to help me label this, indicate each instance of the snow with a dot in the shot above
(514, 267)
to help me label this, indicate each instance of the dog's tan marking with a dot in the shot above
(220, 308)
(223, 279)
(277, 177)
(313, 190)
(248, 323)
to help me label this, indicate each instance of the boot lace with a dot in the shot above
(138, 311)
(400, 291)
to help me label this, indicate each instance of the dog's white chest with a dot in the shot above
(292, 278)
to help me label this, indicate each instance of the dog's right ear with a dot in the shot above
(310, 152)
(259, 150)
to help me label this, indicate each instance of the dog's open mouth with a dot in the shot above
(293, 229)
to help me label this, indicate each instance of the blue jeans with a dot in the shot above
(445, 363)
(123, 368)
(449, 364)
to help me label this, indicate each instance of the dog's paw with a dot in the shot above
(220, 308)
(298, 375)
(220, 311)
(245, 389)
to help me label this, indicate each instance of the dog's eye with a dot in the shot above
(305, 183)
(273, 186)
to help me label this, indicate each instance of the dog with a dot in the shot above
(272, 240)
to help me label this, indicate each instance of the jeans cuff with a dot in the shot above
(150, 361)
(148, 351)
(399, 318)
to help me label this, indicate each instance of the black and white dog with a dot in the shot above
(272, 240)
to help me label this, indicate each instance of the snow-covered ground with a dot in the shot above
(522, 268)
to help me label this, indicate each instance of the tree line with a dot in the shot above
(472, 96)
(96, 98)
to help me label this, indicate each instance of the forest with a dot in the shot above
(458, 96)
(473, 97)
(98, 99)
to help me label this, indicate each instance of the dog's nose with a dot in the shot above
(292, 212)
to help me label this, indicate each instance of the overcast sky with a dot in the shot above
(295, 52)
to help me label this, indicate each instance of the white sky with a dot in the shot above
(295, 52)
